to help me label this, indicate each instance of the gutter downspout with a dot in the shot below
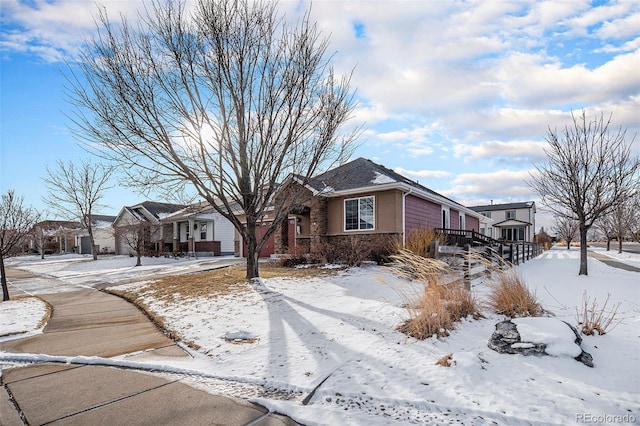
(404, 217)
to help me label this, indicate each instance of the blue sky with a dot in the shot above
(457, 95)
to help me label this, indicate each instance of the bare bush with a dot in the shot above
(510, 296)
(355, 250)
(593, 319)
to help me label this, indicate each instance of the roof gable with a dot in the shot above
(361, 173)
(159, 210)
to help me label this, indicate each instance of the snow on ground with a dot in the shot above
(83, 271)
(24, 315)
(337, 332)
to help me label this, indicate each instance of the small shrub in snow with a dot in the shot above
(445, 361)
(428, 317)
(593, 319)
(510, 296)
(437, 310)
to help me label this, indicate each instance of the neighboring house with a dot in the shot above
(200, 230)
(511, 222)
(54, 236)
(103, 235)
(156, 236)
(367, 201)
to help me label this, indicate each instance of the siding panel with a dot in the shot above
(421, 213)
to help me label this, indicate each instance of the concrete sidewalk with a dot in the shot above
(89, 322)
(612, 262)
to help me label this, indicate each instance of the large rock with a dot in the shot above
(539, 336)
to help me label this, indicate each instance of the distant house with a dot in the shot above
(103, 235)
(366, 201)
(145, 217)
(54, 236)
(511, 222)
(200, 230)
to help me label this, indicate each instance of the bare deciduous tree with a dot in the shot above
(589, 171)
(39, 239)
(604, 226)
(134, 234)
(76, 192)
(226, 102)
(566, 228)
(620, 222)
(16, 221)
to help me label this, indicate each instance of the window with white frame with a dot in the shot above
(203, 231)
(359, 213)
(510, 214)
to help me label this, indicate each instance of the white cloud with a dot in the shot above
(423, 174)
(533, 151)
(621, 28)
(497, 185)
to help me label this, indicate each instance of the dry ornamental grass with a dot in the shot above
(510, 296)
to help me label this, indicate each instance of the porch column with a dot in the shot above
(281, 238)
(318, 224)
(190, 246)
(176, 237)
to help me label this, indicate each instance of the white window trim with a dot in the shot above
(344, 214)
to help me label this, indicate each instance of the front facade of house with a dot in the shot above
(103, 236)
(367, 202)
(142, 223)
(512, 222)
(54, 236)
(200, 230)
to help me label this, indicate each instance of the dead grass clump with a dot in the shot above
(445, 361)
(436, 309)
(412, 266)
(420, 241)
(440, 306)
(593, 319)
(428, 317)
(510, 296)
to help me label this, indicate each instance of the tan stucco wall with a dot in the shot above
(387, 211)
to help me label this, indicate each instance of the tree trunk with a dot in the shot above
(253, 254)
(5, 288)
(608, 243)
(568, 244)
(92, 242)
(583, 249)
(139, 248)
(619, 244)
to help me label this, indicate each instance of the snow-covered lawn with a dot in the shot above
(342, 327)
(81, 270)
